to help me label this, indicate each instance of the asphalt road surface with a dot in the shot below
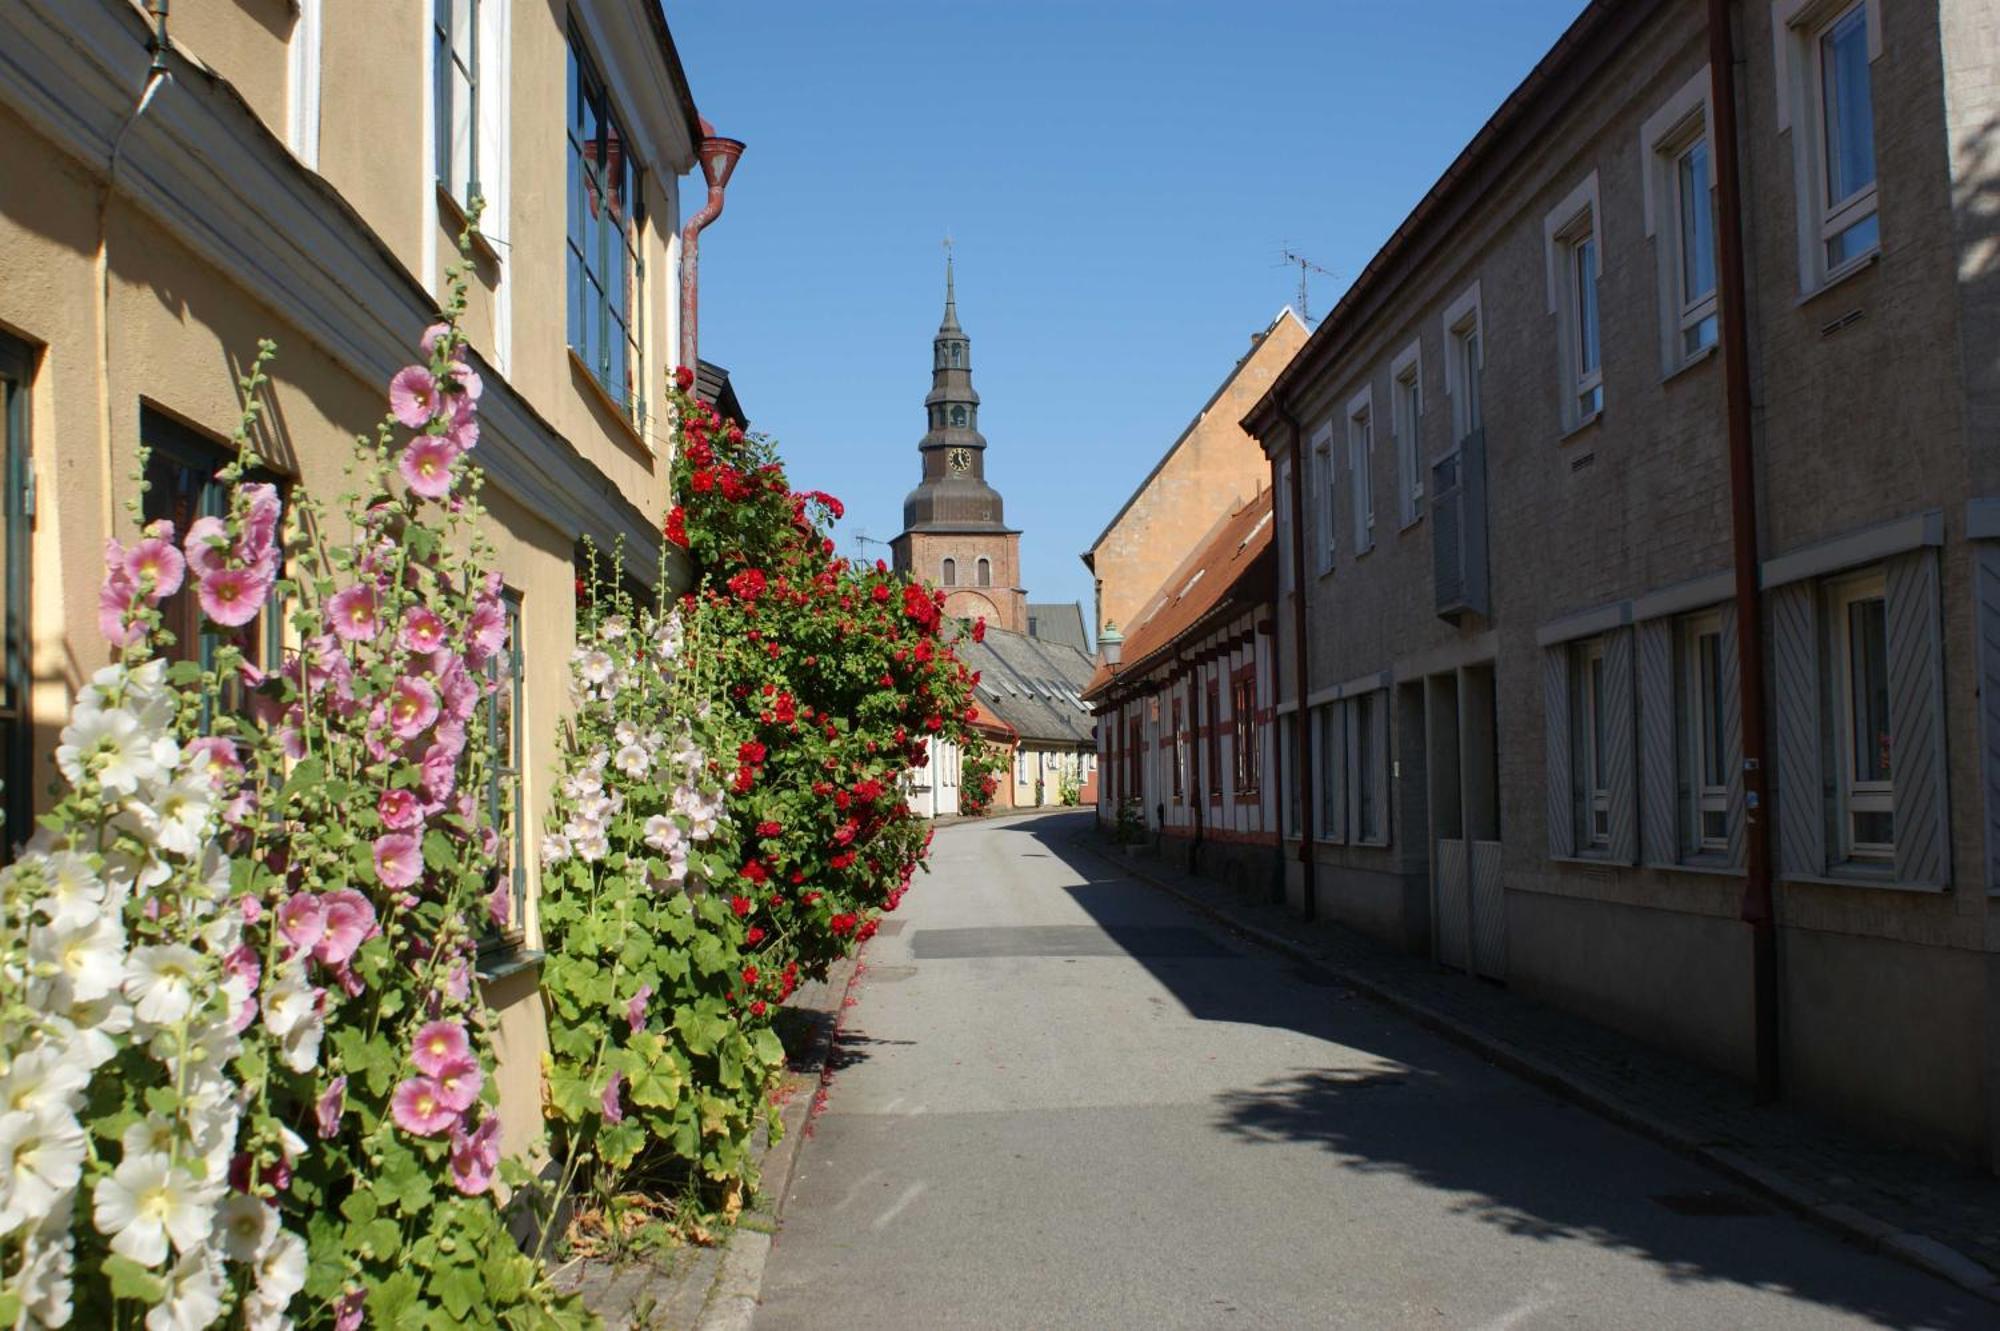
(1064, 1100)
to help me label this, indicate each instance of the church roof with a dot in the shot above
(1058, 621)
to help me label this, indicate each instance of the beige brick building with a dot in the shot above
(1212, 469)
(299, 169)
(1521, 718)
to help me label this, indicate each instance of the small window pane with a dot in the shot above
(1868, 673)
(1854, 242)
(1850, 117)
(1586, 302)
(1715, 768)
(1697, 225)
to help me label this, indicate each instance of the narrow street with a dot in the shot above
(1064, 1100)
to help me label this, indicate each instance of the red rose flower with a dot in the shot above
(757, 1007)
(740, 905)
(979, 629)
(683, 378)
(769, 828)
(677, 526)
(751, 752)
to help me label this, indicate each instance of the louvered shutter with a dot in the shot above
(1916, 720)
(1987, 555)
(1795, 693)
(1333, 774)
(1732, 735)
(1659, 790)
(1622, 779)
(1378, 756)
(1561, 788)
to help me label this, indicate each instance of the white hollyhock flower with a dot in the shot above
(613, 628)
(288, 999)
(75, 892)
(151, 1135)
(633, 761)
(112, 748)
(194, 1295)
(595, 665)
(43, 1080)
(89, 959)
(595, 763)
(301, 1043)
(89, 1030)
(555, 848)
(593, 847)
(625, 733)
(41, 1158)
(663, 833)
(148, 1201)
(245, 1227)
(281, 1274)
(177, 818)
(48, 1263)
(161, 982)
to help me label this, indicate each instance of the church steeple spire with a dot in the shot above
(954, 491)
(950, 324)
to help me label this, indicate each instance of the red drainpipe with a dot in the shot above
(1302, 736)
(1758, 907)
(718, 160)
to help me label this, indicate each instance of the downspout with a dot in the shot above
(1200, 805)
(1302, 739)
(1758, 908)
(156, 74)
(718, 160)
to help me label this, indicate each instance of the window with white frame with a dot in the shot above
(1591, 728)
(1350, 739)
(1704, 737)
(1368, 806)
(1825, 55)
(1865, 791)
(1360, 461)
(1464, 358)
(455, 93)
(1575, 260)
(1680, 216)
(1329, 739)
(1407, 409)
(607, 225)
(1326, 494)
(1283, 501)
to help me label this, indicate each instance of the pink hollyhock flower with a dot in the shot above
(419, 1109)
(423, 631)
(253, 909)
(399, 862)
(350, 920)
(352, 612)
(216, 755)
(206, 546)
(440, 768)
(261, 512)
(399, 810)
(460, 690)
(464, 428)
(467, 379)
(302, 920)
(155, 565)
(415, 396)
(611, 1101)
(500, 904)
(474, 1158)
(347, 1310)
(438, 1045)
(232, 597)
(486, 633)
(413, 705)
(459, 1080)
(426, 465)
(116, 600)
(329, 1106)
(458, 984)
(436, 333)
(635, 1011)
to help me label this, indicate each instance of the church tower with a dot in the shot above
(955, 536)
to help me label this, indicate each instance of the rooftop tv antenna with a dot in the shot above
(1291, 258)
(864, 540)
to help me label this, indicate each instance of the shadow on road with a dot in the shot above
(1509, 1154)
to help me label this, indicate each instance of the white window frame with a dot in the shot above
(1464, 362)
(1703, 720)
(1852, 795)
(1326, 482)
(1592, 779)
(1406, 402)
(1797, 27)
(1361, 463)
(1574, 223)
(1667, 136)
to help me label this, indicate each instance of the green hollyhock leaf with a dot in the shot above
(770, 1050)
(390, 1302)
(129, 1280)
(619, 1144)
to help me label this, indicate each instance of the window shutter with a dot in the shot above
(1732, 736)
(1561, 789)
(1336, 768)
(1916, 720)
(1379, 756)
(1795, 690)
(1622, 779)
(1987, 555)
(1659, 796)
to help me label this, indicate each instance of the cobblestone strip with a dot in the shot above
(1925, 1211)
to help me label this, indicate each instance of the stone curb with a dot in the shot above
(1848, 1221)
(732, 1297)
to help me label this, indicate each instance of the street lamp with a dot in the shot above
(1112, 644)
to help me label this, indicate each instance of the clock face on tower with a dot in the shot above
(960, 459)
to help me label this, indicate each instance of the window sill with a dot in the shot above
(1841, 276)
(1604, 861)
(451, 213)
(1587, 423)
(1702, 357)
(1365, 551)
(1706, 868)
(507, 959)
(1865, 879)
(610, 404)
(1410, 525)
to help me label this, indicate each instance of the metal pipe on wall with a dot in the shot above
(1758, 908)
(1301, 739)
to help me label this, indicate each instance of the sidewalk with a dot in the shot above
(1941, 1217)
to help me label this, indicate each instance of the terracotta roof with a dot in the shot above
(1232, 568)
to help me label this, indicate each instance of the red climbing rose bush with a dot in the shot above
(837, 674)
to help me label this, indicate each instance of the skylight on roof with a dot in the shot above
(1191, 582)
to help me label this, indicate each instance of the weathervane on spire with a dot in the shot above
(948, 293)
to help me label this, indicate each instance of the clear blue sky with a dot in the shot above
(1118, 179)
